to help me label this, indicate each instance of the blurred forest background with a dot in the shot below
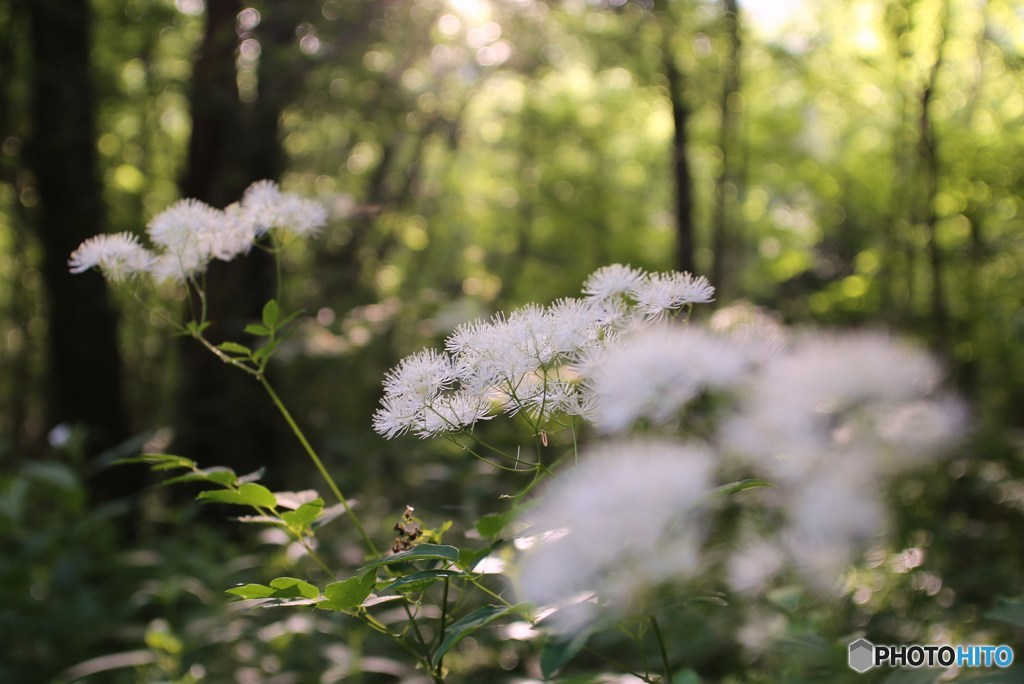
(858, 162)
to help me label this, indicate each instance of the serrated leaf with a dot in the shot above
(303, 515)
(290, 587)
(421, 552)
(419, 581)
(252, 591)
(234, 348)
(271, 312)
(460, 629)
(348, 594)
(257, 329)
(249, 494)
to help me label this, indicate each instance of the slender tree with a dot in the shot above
(682, 176)
(84, 369)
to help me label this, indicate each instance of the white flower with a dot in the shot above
(117, 255)
(610, 281)
(397, 415)
(834, 395)
(266, 207)
(654, 373)
(490, 355)
(575, 323)
(452, 412)
(659, 293)
(422, 375)
(191, 234)
(623, 521)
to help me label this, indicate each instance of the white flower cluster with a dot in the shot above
(830, 420)
(626, 519)
(827, 418)
(189, 234)
(532, 359)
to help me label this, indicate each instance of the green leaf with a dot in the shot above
(160, 461)
(271, 312)
(290, 587)
(258, 330)
(216, 474)
(1007, 610)
(460, 629)
(304, 514)
(252, 591)
(557, 653)
(421, 552)
(468, 558)
(741, 486)
(234, 348)
(348, 594)
(418, 581)
(281, 587)
(249, 494)
(491, 525)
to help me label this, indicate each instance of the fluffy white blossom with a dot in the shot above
(422, 375)
(652, 374)
(267, 207)
(623, 521)
(117, 255)
(611, 281)
(189, 234)
(835, 394)
(658, 293)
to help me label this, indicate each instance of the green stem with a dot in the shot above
(319, 465)
(415, 628)
(476, 583)
(661, 649)
(444, 620)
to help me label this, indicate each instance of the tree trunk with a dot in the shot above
(84, 386)
(685, 244)
(224, 417)
(725, 241)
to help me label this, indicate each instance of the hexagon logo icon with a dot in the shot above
(862, 655)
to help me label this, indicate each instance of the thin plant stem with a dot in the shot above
(416, 628)
(444, 620)
(476, 583)
(319, 465)
(661, 649)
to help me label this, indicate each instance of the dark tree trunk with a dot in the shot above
(84, 367)
(683, 186)
(725, 240)
(224, 417)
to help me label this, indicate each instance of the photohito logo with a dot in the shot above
(865, 655)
